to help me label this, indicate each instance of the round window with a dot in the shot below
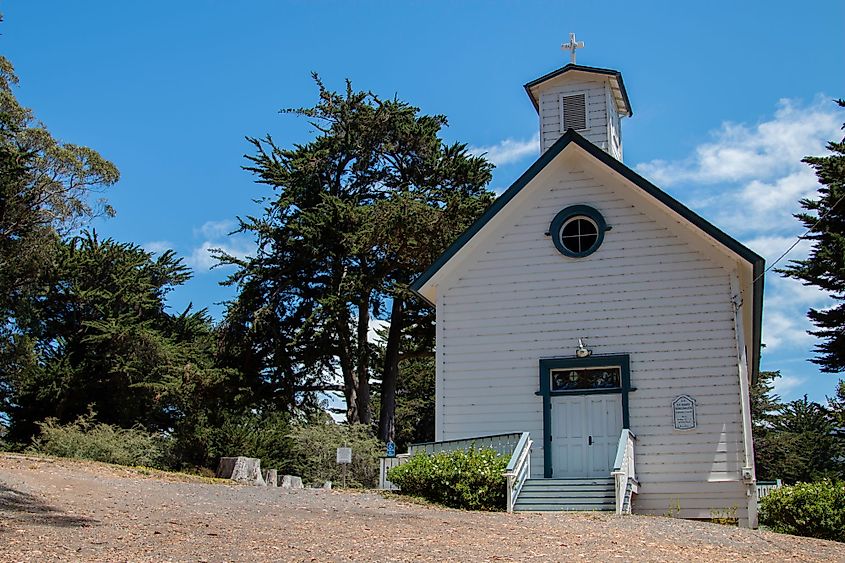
(578, 231)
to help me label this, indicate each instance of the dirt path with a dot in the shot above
(62, 510)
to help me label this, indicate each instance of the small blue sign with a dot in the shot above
(391, 449)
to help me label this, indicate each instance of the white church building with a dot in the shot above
(600, 318)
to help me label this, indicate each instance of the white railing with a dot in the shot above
(504, 444)
(624, 474)
(518, 469)
(766, 487)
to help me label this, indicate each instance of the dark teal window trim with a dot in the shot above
(569, 213)
(546, 365)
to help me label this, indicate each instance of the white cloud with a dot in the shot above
(765, 206)
(202, 260)
(157, 246)
(509, 150)
(749, 179)
(781, 329)
(771, 247)
(215, 229)
(216, 236)
(787, 385)
(770, 149)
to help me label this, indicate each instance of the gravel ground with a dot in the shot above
(60, 510)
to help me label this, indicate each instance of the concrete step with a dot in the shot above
(566, 487)
(600, 481)
(588, 494)
(563, 507)
(566, 494)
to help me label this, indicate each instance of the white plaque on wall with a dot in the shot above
(683, 412)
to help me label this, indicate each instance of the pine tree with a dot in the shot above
(355, 215)
(824, 216)
(99, 338)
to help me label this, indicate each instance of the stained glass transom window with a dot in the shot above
(578, 379)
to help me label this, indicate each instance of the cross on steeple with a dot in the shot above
(571, 46)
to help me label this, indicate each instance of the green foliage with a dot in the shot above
(471, 479)
(807, 509)
(805, 444)
(251, 435)
(825, 266)
(99, 337)
(87, 439)
(796, 441)
(47, 189)
(415, 402)
(314, 453)
(353, 216)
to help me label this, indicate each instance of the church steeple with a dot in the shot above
(587, 99)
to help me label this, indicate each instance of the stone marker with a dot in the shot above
(327, 485)
(270, 477)
(241, 469)
(290, 482)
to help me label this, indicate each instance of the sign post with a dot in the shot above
(344, 457)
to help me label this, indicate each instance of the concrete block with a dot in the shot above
(270, 477)
(290, 482)
(241, 469)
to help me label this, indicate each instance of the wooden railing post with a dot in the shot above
(518, 469)
(624, 473)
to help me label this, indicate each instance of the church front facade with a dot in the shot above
(586, 302)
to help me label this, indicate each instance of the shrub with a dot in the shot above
(85, 439)
(314, 453)
(472, 479)
(251, 435)
(815, 509)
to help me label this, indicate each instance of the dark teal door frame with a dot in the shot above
(623, 361)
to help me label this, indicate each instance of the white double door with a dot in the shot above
(585, 434)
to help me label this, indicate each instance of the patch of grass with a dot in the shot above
(724, 516)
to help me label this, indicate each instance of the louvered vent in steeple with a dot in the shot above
(574, 112)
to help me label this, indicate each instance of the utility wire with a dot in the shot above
(800, 238)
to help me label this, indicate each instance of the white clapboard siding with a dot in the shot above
(551, 121)
(652, 290)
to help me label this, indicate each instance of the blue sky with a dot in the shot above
(727, 98)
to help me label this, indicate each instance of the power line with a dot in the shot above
(800, 238)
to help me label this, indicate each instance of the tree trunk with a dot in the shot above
(387, 413)
(350, 389)
(363, 366)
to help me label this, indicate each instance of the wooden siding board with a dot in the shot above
(549, 108)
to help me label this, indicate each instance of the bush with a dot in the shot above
(251, 435)
(471, 479)
(85, 439)
(314, 453)
(815, 509)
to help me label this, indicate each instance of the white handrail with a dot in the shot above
(518, 469)
(624, 473)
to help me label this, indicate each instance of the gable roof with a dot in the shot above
(618, 86)
(572, 137)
